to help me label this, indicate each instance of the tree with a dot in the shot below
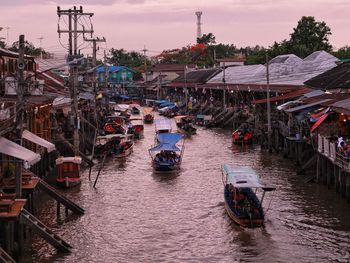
(129, 59)
(342, 53)
(208, 39)
(309, 36)
(30, 49)
(2, 44)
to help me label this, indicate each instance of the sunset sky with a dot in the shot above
(168, 24)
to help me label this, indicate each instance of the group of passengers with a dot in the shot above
(167, 157)
(343, 147)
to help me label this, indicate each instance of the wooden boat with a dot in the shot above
(240, 136)
(241, 202)
(115, 124)
(68, 171)
(136, 128)
(184, 125)
(148, 116)
(167, 155)
(135, 108)
(117, 145)
(163, 126)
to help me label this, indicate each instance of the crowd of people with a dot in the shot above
(167, 157)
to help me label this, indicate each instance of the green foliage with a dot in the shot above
(131, 59)
(208, 39)
(342, 53)
(2, 44)
(30, 49)
(309, 36)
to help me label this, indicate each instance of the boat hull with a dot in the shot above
(165, 167)
(242, 219)
(68, 182)
(126, 153)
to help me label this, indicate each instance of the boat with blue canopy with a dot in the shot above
(241, 202)
(167, 154)
(163, 126)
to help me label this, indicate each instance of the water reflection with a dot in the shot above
(137, 215)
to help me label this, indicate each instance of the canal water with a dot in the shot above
(136, 215)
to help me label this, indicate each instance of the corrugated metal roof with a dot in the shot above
(284, 69)
(342, 104)
(305, 106)
(289, 95)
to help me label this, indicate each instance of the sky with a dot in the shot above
(167, 24)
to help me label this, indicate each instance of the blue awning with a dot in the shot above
(124, 97)
(167, 104)
(170, 138)
(159, 102)
(167, 142)
(165, 147)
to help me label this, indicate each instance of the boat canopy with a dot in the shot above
(159, 102)
(75, 159)
(124, 97)
(242, 176)
(167, 104)
(15, 150)
(162, 124)
(38, 140)
(167, 142)
(121, 107)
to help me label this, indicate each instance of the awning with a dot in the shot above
(15, 150)
(305, 106)
(167, 142)
(318, 123)
(242, 176)
(162, 124)
(38, 140)
(289, 95)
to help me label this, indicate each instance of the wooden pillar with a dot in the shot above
(347, 189)
(318, 168)
(336, 178)
(329, 173)
(341, 183)
(323, 170)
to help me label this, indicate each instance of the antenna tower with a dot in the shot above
(199, 29)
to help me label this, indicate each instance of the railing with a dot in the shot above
(320, 143)
(329, 149)
(343, 161)
(326, 147)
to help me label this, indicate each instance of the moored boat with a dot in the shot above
(241, 136)
(68, 171)
(117, 145)
(163, 126)
(148, 116)
(184, 124)
(136, 128)
(167, 155)
(241, 202)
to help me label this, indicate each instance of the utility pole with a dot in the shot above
(94, 48)
(185, 89)
(20, 110)
(144, 50)
(94, 64)
(74, 15)
(41, 50)
(224, 89)
(269, 131)
(106, 69)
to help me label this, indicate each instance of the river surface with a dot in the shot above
(136, 215)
